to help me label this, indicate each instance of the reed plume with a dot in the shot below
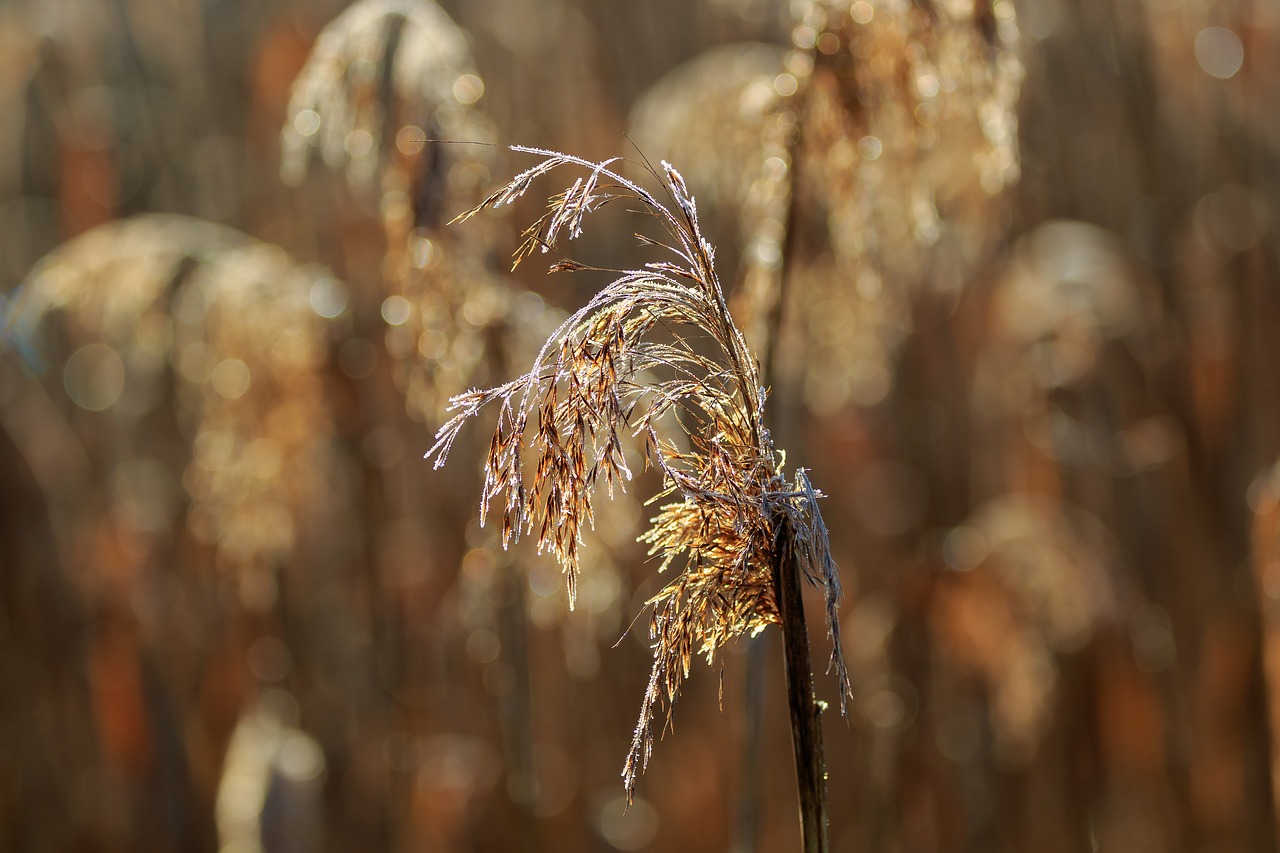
(654, 355)
(898, 120)
(384, 81)
(164, 310)
(383, 77)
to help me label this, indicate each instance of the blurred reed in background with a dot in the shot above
(1014, 271)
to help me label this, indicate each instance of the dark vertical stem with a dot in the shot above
(517, 702)
(806, 725)
(786, 576)
(517, 706)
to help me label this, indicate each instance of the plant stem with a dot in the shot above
(806, 725)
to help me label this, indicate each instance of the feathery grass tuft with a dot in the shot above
(655, 355)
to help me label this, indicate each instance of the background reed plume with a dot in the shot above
(1047, 438)
(631, 364)
(184, 355)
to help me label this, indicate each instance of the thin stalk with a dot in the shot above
(806, 724)
(782, 427)
(517, 705)
(806, 728)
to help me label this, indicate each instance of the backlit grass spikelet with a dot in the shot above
(653, 356)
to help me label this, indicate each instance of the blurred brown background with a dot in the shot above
(1017, 280)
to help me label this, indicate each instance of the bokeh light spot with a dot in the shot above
(1219, 52)
(94, 377)
(468, 89)
(395, 310)
(231, 378)
(410, 139)
(628, 828)
(328, 297)
(307, 122)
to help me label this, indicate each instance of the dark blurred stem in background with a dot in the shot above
(517, 701)
(517, 707)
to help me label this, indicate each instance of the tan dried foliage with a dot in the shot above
(904, 137)
(386, 82)
(654, 355)
(721, 114)
(1064, 315)
(707, 115)
(162, 304)
(384, 76)
(1066, 292)
(459, 309)
(1033, 581)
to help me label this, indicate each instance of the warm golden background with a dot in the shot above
(1017, 281)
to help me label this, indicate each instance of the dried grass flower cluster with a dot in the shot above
(654, 355)
(712, 115)
(902, 116)
(1033, 581)
(385, 81)
(160, 312)
(383, 77)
